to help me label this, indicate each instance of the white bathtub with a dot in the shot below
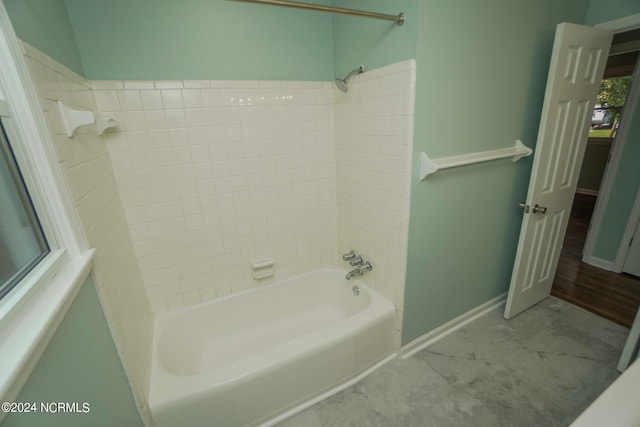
(259, 356)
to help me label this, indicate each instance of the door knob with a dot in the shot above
(537, 208)
(524, 206)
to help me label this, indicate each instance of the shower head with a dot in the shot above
(343, 84)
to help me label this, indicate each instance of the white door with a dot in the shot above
(577, 64)
(632, 263)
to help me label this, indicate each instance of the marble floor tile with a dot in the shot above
(541, 368)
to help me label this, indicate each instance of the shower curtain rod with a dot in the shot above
(398, 19)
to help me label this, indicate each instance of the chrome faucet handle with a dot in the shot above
(365, 267)
(356, 261)
(351, 255)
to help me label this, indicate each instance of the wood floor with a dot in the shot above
(611, 295)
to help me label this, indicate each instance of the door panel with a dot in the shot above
(577, 64)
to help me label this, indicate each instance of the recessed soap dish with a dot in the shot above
(262, 267)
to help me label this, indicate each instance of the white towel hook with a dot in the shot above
(73, 119)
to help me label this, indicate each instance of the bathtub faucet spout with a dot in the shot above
(355, 271)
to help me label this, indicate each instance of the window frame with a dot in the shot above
(32, 310)
(27, 212)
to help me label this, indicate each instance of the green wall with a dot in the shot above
(80, 364)
(482, 69)
(593, 164)
(372, 42)
(200, 39)
(45, 25)
(608, 10)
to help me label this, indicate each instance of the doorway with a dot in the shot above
(615, 296)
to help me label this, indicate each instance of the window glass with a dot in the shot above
(22, 242)
(609, 105)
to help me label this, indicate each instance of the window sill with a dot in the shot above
(30, 315)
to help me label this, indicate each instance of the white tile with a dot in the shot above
(203, 171)
(178, 138)
(211, 97)
(199, 153)
(199, 136)
(195, 117)
(151, 99)
(169, 84)
(181, 156)
(194, 222)
(159, 306)
(134, 120)
(155, 120)
(172, 99)
(186, 178)
(138, 84)
(158, 138)
(121, 161)
(192, 98)
(196, 84)
(161, 158)
(223, 83)
(229, 97)
(191, 298)
(175, 119)
(130, 100)
(107, 100)
(175, 302)
(107, 84)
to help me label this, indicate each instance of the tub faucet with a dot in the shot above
(355, 271)
(359, 270)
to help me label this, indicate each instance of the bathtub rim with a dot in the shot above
(246, 368)
(161, 319)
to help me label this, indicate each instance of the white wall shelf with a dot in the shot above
(429, 166)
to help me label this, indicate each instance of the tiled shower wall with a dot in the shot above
(213, 174)
(374, 138)
(87, 170)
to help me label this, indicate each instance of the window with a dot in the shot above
(614, 88)
(610, 103)
(22, 242)
(44, 273)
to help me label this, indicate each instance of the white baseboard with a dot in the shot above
(440, 332)
(598, 262)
